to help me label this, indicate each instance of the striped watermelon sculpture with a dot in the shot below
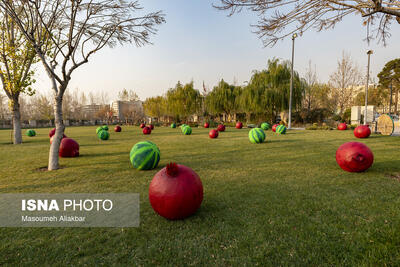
(187, 130)
(265, 126)
(99, 129)
(145, 155)
(256, 135)
(30, 133)
(173, 125)
(281, 129)
(103, 135)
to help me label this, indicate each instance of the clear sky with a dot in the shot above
(200, 43)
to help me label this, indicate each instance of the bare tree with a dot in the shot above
(104, 98)
(133, 114)
(40, 108)
(66, 33)
(128, 95)
(311, 81)
(105, 113)
(282, 18)
(343, 81)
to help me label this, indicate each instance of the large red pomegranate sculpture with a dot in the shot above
(213, 134)
(146, 130)
(151, 126)
(142, 125)
(176, 192)
(51, 138)
(221, 128)
(342, 126)
(239, 125)
(68, 148)
(117, 129)
(354, 157)
(206, 125)
(362, 131)
(274, 127)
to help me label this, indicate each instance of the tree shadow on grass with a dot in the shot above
(378, 136)
(102, 154)
(387, 166)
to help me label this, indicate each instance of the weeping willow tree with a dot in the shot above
(268, 91)
(155, 106)
(183, 101)
(224, 99)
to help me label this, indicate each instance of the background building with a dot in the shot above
(128, 111)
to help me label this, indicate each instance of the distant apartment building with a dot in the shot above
(127, 110)
(91, 111)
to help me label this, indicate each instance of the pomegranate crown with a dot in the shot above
(172, 169)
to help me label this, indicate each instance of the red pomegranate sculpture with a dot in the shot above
(354, 157)
(151, 126)
(274, 127)
(206, 125)
(51, 138)
(213, 134)
(221, 128)
(142, 125)
(342, 126)
(146, 130)
(68, 148)
(239, 125)
(362, 131)
(53, 132)
(117, 129)
(176, 192)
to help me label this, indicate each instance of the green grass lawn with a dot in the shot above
(284, 202)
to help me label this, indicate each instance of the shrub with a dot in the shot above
(315, 127)
(346, 115)
(336, 117)
(213, 124)
(312, 128)
(193, 124)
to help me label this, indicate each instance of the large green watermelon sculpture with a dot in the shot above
(281, 129)
(187, 130)
(145, 155)
(256, 135)
(103, 135)
(265, 126)
(30, 133)
(99, 129)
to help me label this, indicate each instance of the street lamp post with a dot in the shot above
(291, 83)
(369, 53)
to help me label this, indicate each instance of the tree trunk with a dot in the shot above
(16, 118)
(55, 146)
(396, 101)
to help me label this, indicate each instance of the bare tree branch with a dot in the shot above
(281, 18)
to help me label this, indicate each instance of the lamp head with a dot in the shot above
(370, 52)
(294, 36)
